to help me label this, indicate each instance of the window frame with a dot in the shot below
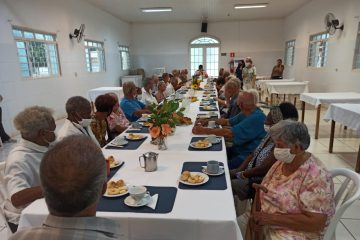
(356, 62)
(102, 62)
(26, 41)
(126, 49)
(287, 48)
(323, 63)
(204, 47)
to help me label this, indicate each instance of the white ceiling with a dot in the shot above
(194, 10)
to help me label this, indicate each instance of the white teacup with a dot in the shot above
(212, 167)
(211, 124)
(137, 192)
(212, 138)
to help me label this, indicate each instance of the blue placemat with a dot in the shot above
(114, 170)
(212, 110)
(214, 183)
(142, 130)
(132, 145)
(212, 118)
(165, 202)
(214, 147)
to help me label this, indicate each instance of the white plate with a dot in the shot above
(221, 171)
(194, 146)
(131, 202)
(117, 163)
(209, 108)
(119, 141)
(206, 178)
(203, 116)
(116, 195)
(130, 139)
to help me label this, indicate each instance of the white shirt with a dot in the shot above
(22, 169)
(69, 128)
(169, 90)
(147, 98)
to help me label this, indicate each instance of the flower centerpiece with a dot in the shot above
(163, 120)
(195, 84)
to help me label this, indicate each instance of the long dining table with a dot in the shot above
(196, 214)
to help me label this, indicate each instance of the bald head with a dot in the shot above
(72, 175)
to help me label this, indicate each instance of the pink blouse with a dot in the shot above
(116, 119)
(309, 189)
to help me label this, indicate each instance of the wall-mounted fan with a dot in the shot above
(78, 33)
(332, 24)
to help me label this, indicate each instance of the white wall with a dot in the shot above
(338, 75)
(157, 45)
(60, 17)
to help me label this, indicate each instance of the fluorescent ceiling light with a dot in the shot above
(255, 5)
(158, 9)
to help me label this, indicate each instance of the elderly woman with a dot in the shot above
(171, 88)
(257, 164)
(132, 107)
(104, 106)
(146, 97)
(300, 198)
(117, 121)
(21, 176)
(160, 95)
(249, 74)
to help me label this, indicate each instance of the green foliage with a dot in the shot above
(164, 113)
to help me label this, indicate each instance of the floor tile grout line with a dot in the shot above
(347, 230)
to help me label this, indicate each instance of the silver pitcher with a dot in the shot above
(150, 161)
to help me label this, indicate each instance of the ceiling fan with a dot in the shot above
(332, 24)
(78, 33)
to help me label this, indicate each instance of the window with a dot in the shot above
(290, 53)
(318, 47)
(125, 57)
(95, 56)
(357, 50)
(205, 51)
(37, 53)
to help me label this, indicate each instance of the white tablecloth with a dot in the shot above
(262, 83)
(287, 87)
(94, 93)
(137, 79)
(347, 114)
(197, 214)
(331, 97)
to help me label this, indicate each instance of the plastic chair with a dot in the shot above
(5, 231)
(348, 193)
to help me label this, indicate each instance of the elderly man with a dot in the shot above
(78, 119)
(22, 182)
(232, 88)
(245, 130)
(132, 107)
(147, 98)
(72, 195)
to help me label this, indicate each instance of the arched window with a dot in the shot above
(205, 50)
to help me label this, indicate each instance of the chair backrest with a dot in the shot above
(348, 192)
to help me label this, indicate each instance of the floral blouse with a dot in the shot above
(248, 74)
(99, 129)
(309, 189)
(117, 119)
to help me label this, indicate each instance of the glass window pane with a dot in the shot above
(17, 33)
(39, 36)
(28, 35)
(20, 44)
(49, 38)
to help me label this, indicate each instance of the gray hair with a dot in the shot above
(291, 132)
(128, 87)
(233, 83)
(72, 175)
(253, 99)
(33, 119)
(77, 104)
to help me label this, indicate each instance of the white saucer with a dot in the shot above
(221, 171)
(218, 140)
(118, 163)
(129, 201)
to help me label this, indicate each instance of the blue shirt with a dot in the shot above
(129, 106)
(248, 131)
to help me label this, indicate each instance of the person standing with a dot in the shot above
(278, 70)
(4, 136)
(249, 74)
(239, 70)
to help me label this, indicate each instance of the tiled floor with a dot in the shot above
(346, 146)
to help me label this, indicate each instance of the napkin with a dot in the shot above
(153, 202)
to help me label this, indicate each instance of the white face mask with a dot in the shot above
(284, 155)
(267, 128)
(247, 64)
(85, 122)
